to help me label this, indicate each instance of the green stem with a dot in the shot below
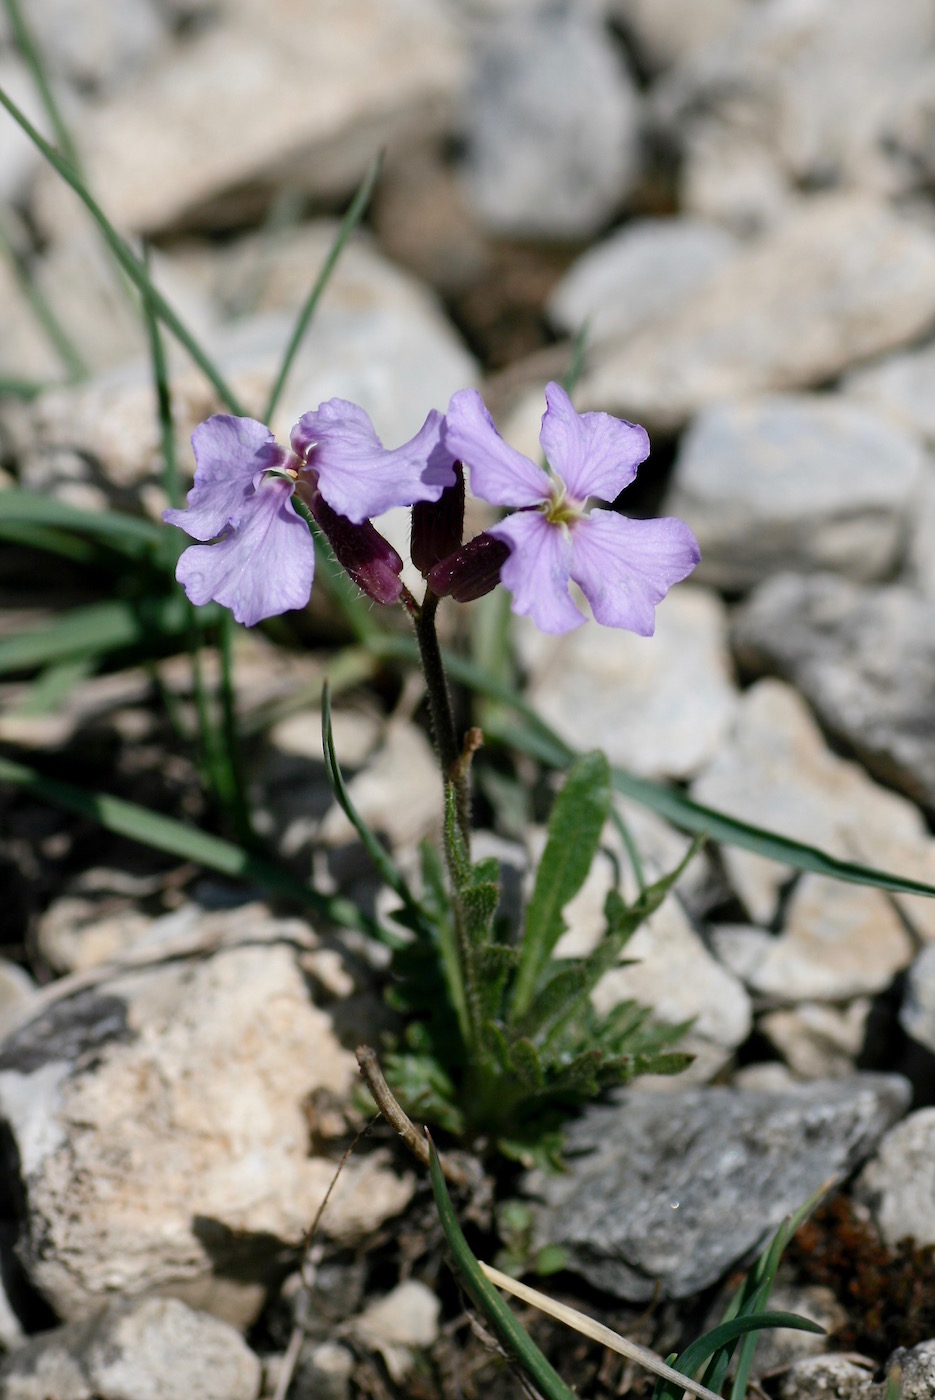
(32, 57)
(454, 762)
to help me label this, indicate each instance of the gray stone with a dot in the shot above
(639, 273)
(842, 645)
(917, 1013)
(840, 280)
(831, 1377)
(659, 706)
(801, 482)
(211, 132)
(160, 1115)
(902, 386)
(898, 1183)
(815, 90)
(98, 44)
(775, 770)
(671, 1190)
(665, 32)
(157, 1349)
(551, 124)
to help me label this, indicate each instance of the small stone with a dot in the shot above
(670, 1190)
(917, 1013)
(776, 771)
(841, 645)
(841, 279)
(657, 707)
(667, 31)
(639, 273)
(399, 1323)
(898, 1183)
(552, 135)
(796, 481)
(830, 1377)
(97, 45)
(154, 1349)
(902, 386)
(818, 1041)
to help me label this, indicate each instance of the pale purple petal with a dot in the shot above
(228, 454)
(537, 570)
(593, 453)
(263, 567)
(359, 477)
(499, 474)
(625, 567)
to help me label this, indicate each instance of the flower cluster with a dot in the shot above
(260, 559)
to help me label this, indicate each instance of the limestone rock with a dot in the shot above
(901, 385)
(212, 131)
(667, 31)
(840, 280)
(898, 1183)
(796, 482)
(820, 1377)
(160, 1116)
(551, 124)
(641, 272)
(818, 1041)
(98, 44)
(671, 1190)
(842, 646)
(657, 706)
(917, 1013)
(154, 1349)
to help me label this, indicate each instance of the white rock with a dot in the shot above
(667, 31)
(776, 771)
(399, 1323)
(19, 158)
(901, 385)
(97, 44)
(796, 481)
(551, 124)
(159, 1115)
(157, 1349)
(917, 1013)
(840, 280)
(658, 706)
(638, 273)
(222, 114)
(898, 1183)
(818, 1041)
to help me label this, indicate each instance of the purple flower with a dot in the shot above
(262, 558)
(624, 567)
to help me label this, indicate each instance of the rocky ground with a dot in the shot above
(737, 198)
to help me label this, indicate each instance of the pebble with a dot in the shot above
(917, 1013)
(98, 45)
(640, 272)
(898, 1183)
(400, 1323)
(149, 1349)
(670, 1190)
(841, 279)
(841, 645)
(799, 482)
(665, 32)
(817, 1040)
(551, 124)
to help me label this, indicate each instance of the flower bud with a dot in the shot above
(437, 525)
(369, 559)
(471, 571)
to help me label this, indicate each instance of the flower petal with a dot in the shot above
(499, 474)
(263, 567)
(357, 475)
(593, 453)
(536, 572)
(228, 454)
(625, 567)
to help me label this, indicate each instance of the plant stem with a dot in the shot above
(454, 771)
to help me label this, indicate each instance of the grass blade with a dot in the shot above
(352, 218)
(96, 629)
(32, 56)
(54, 331)
(186, 842)
(514, 1337)
(126, 532)
(695, 1355)
(131, 264)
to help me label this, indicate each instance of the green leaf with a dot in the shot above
(488, 1300)
(694, 1356)
(99, 628)
(575, 826)
(128, 533)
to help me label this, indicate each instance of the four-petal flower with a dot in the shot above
(624, 567)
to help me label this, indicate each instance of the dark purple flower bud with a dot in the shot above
(437, 525)
(371, 561)
(471, 571)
